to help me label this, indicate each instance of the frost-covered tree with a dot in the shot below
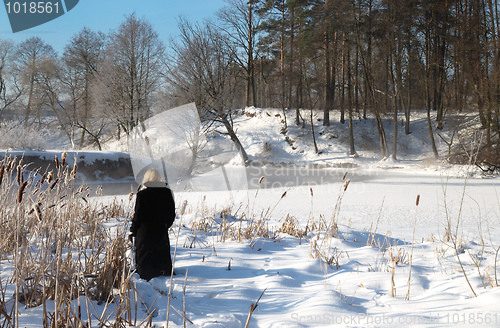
(129, 73)
(81, 57)
(9, 89)
(32, 57)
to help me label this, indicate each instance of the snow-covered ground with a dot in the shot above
(302, 291)
(380, 231)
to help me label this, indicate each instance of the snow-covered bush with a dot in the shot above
(16, 135)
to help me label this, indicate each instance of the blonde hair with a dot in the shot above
(152, 175)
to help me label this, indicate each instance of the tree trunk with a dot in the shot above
(316, 150)
(431, 133)
(250, 95)
(30, 102)
(329, 93)
(342, 95)
(369, 83)
(428, 94)
(369, 57)
(300, 103)
(235, 138)
(292, 57)
(409, 89)
(395, 94)
(282, 57)
(352, 149)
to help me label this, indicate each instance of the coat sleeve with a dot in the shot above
(170, 209)
(136, 217)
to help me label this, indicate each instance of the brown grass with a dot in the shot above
(54, 236)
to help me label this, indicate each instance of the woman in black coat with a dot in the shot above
(154, 214)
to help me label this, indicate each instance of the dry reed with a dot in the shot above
(60, 249)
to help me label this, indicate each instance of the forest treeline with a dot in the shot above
(365, 58)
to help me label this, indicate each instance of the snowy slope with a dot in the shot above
(316, 280)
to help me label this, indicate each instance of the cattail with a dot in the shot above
(50, 177)
(260, 180)
(2, 170)
(21, 176)
(284, 194)
(42, 181)
(311, 190)
(130, 196)
(21, 192)
(346, 184)
(63, 158)
(345, 175)
(57, 162)
(35, 174)
(54, 184)
(73, 172)
(12, 164)
(38, 211)
(418, 200)
(18, 176)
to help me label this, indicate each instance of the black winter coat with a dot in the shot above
(154, 214)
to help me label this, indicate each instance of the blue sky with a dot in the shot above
(105, 15)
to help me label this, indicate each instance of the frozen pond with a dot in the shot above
(254, 177)
(287, 176)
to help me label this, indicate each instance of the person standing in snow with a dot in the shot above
(154, 214)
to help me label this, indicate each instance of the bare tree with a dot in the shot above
(129, 75)
(49, 78)
(201, 70)
(81, 58)
(30, 58)
(9, 89)
(240, 22)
